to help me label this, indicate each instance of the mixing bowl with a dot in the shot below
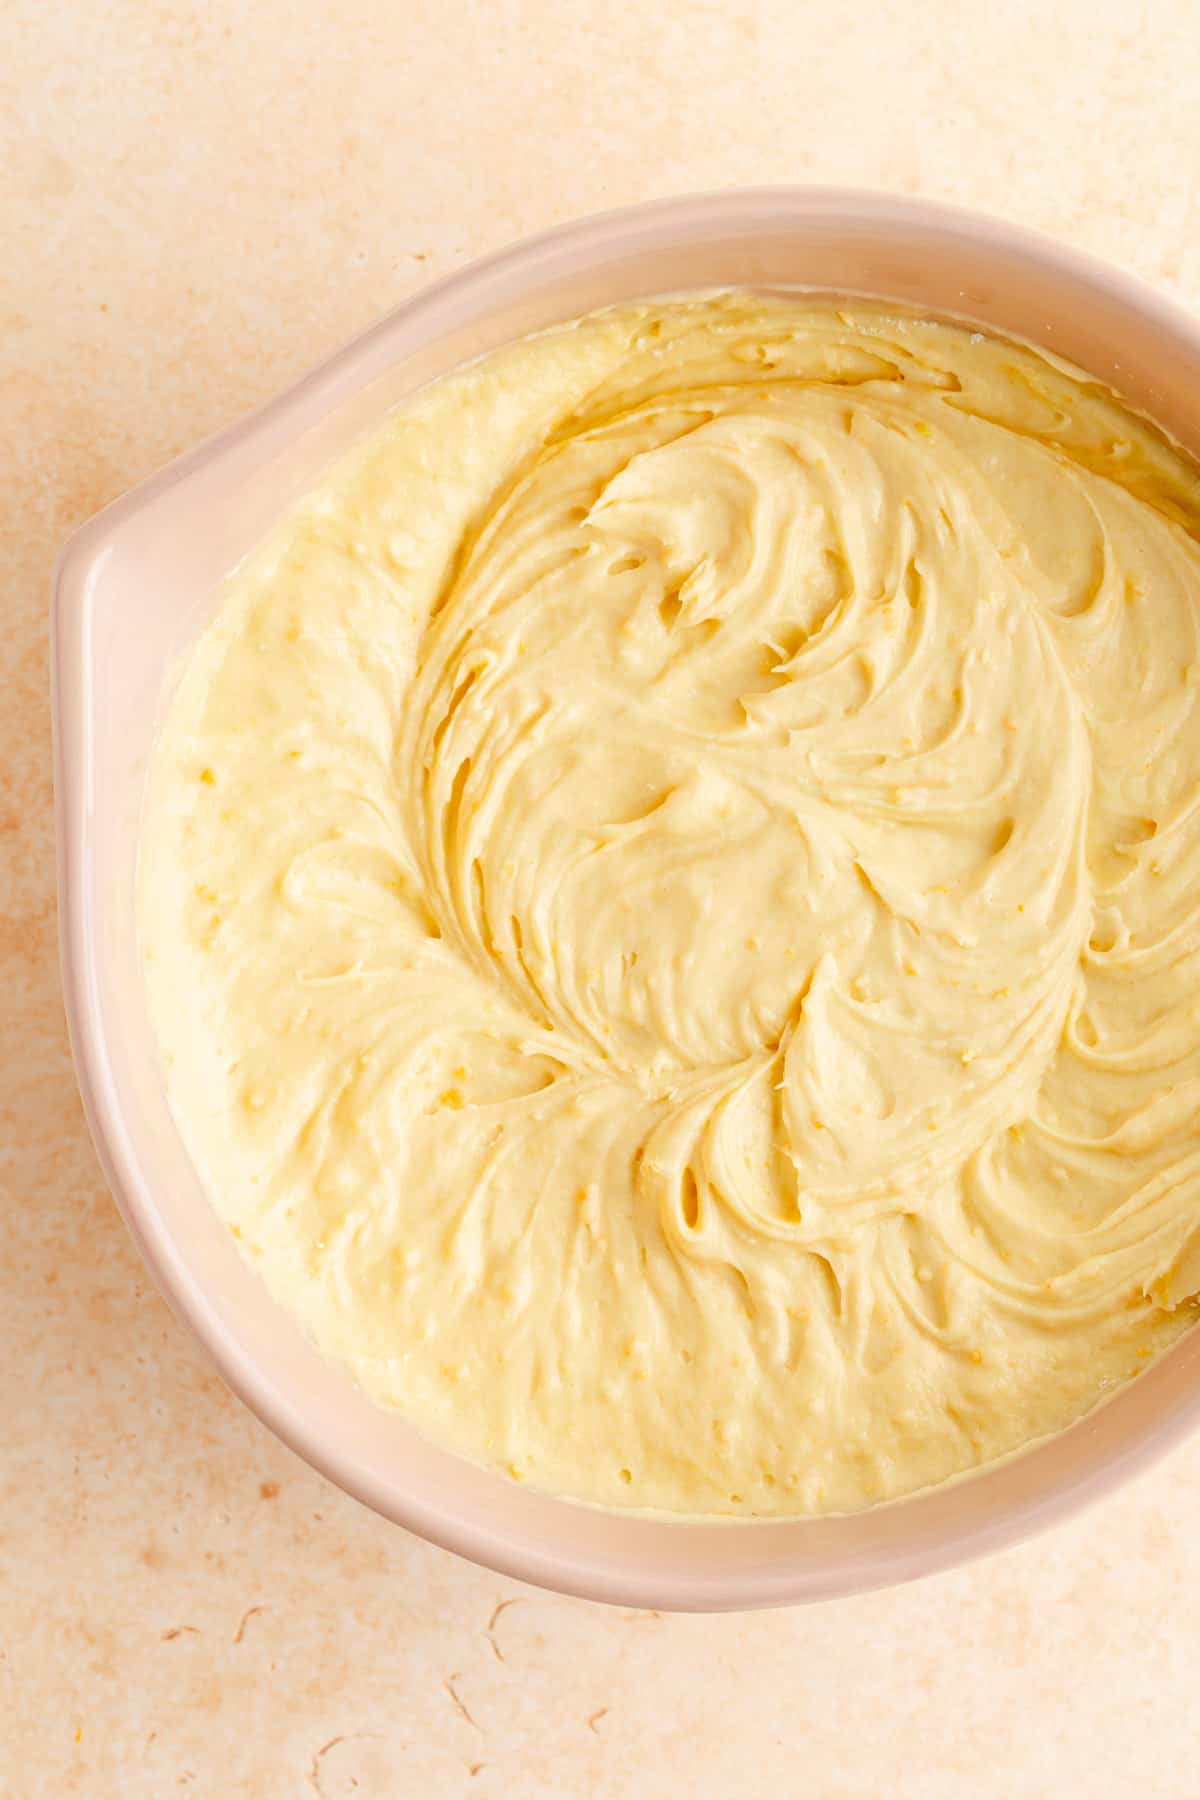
(137, 585)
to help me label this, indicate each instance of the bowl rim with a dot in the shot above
(351, 367)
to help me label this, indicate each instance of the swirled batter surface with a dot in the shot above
(670, 900)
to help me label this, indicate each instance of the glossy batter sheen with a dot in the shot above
(671, 900)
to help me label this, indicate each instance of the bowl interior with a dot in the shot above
(136, 587)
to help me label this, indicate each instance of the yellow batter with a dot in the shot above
(671, 901)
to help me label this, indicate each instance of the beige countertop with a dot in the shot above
(198, 202)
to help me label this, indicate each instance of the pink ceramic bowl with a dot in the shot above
(134, 588)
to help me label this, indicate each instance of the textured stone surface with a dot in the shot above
(198, 203)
